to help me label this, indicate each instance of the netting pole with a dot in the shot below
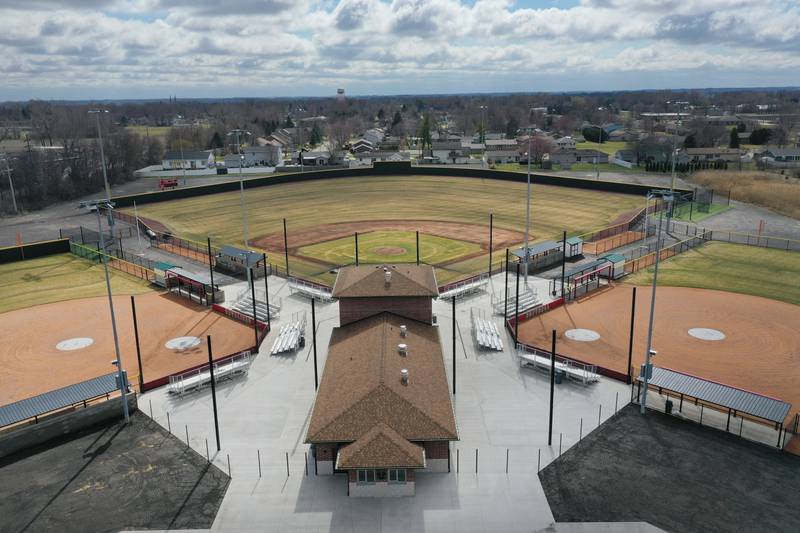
(454, 345)
(266, 291)
(417, 247)
(563, 263)
(286, 247)
(356, 246)
(314, 341)
(516, 311)
(251, 275)
(211, 272)
(552, 390)
(491, 227)
(138, 350)
(213, 392)
(630, 340)
(505, 311)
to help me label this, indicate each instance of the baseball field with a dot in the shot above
(451, 214)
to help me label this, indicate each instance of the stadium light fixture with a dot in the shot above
(528, 214)
(98, 205)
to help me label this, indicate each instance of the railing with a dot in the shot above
(140, 271)
(159, 382)
(666, 252)
(239, 317)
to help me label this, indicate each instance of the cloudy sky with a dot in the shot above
(79, 49)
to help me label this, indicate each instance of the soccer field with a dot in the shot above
(417, 200)
(731, 267)
(60, 277)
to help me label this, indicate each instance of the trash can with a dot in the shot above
(302, 342)
(668, 407)
(559, 376)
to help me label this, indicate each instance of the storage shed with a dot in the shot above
(238, 261)
(618, 262)
(574, 247)
(541, 255)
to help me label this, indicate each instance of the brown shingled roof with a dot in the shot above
(381, 447)
(361, 384)
(369, 281)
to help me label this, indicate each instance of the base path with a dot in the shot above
(31, 362)
(462, 231)
(760, 350)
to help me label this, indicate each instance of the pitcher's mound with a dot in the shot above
(389, 250)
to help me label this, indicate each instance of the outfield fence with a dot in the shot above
(138, 270)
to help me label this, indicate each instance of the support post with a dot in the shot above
(314, 341)
(491, 234)
(266, 290)
(356, 246)
(454, 345)
(505, 294)
(253, 298)
(211, 271)
(563, 263)
(213, 390)
(516, 312)
(138, 349)
(286, 247)
(417, 247)
(630, 340)
(552, 390)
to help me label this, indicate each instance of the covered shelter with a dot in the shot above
(586, 277)
(540, 255)
(194, 286)
(723, 397)
(238, 261)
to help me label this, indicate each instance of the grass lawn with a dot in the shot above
(59, 277)
(152, 131)
(608, 147)
(311, 203)
(731, 267)
(683, 211)
(604, 167)
(390, 247)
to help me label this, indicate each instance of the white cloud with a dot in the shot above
(225, 46)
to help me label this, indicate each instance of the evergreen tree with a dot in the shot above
(316, 134)
(288, 123)
(424, 133)
(734, 143)
(397, 118)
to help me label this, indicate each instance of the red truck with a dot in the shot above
(165, 184)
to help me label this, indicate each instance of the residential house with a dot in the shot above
(270, 154)
(187, 159)
(284, 138)
(390, 143)
(374, 136)
(496, 156)
(449, 151)
(782, 157)
(562, 156)
(566, 143)
(471, 148)
(628, 156)
(360, 146)
(501, 144)
(591, 156)
(383, 410)
(382, 155)
(316, 159)
(731, 155)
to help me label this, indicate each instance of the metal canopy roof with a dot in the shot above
(250, 257)
(586, 267)
(57, 399)
(203, 279)
(710, 391)
(536, 249)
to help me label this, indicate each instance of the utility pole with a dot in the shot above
(11, 185)
(528, 213)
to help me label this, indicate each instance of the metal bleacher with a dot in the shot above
(465, 287)
(528, 300)
(310, 290)
(244, 305)
(540, 360)
(485, 332)
(196, 379)
(290, 335)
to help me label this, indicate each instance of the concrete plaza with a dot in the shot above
(501, 411)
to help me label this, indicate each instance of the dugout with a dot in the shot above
(238, 261)
(617, 265)
(194, 286)
(160, 268)
(586, 278)
(541, 256)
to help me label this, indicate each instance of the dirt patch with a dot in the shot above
(477, 233)
(31, 364)
(389, 250)
(760, 352)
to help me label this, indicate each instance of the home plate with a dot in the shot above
(74, 344)
(582, 335)
(707, 334)
(182, 343)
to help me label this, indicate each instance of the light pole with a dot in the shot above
(241, 194)
(11, 185)
(123, 386)
(674, 155)
(180, 146)
(528, 213)
(650, 352)
(483, 123)
(96, 113)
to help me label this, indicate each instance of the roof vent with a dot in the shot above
(404, 376)
(387, 275)
(403, 330)
(403, 349)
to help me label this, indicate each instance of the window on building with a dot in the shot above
(397, 475)
(366, 476)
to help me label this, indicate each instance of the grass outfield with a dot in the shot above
(59, 277)
(731, 267)
(311, 203)
(390, 247)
